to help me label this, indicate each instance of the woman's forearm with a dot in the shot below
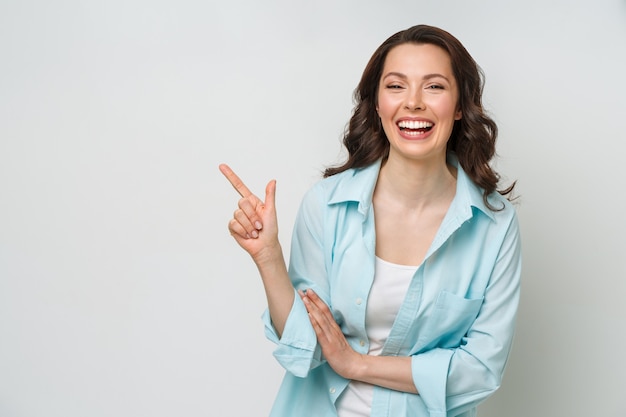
(393, 372)
(278, 288)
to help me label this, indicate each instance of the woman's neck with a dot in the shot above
(416, 184)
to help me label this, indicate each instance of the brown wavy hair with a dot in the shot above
(473, 137)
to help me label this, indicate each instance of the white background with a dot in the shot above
(121, 291)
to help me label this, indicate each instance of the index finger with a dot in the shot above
(235, 181)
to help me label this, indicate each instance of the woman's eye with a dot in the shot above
(394, 86)
(435, 87)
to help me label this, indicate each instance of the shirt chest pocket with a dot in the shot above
(451, 319)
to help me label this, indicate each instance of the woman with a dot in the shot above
(403, 284)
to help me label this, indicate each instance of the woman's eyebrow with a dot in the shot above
(425, 77)
(395, 74)
(435, 75)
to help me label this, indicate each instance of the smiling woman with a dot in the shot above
(402, 290)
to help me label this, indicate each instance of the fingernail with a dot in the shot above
(258, 225)
(255, 234)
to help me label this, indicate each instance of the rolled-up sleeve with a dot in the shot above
(297, 349)
(451, 381)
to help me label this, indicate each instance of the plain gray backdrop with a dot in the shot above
(121, 291)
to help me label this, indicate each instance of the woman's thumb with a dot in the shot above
(270, 195)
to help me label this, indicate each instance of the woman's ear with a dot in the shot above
(458, 115)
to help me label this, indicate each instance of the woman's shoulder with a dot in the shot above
(494, 205)
(350, 184)
(323, 188)
(353, 184)
(502, 212)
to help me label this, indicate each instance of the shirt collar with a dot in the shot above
(359, 183)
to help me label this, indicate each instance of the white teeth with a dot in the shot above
(414, 124)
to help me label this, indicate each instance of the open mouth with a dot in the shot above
(415, 127)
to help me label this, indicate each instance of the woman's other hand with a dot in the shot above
(335, 348)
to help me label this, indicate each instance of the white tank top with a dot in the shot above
(391, 282)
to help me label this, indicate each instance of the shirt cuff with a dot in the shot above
(430, 374)
(296, 349)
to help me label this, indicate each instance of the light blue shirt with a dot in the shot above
(456, 321)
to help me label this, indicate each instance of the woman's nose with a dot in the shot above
(414, 101)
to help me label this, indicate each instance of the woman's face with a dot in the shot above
(418, 101)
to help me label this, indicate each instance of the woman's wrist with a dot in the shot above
(358, 368)
(269, 256)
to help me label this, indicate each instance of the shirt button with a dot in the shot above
(332, 390)
(359, 301)
(362, 342)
